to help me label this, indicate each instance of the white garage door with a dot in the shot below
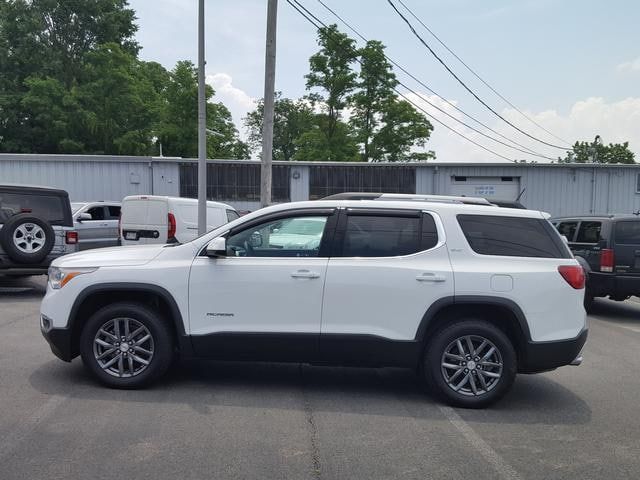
(502, 188)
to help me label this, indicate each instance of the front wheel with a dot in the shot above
(126, 345)
(470, 363)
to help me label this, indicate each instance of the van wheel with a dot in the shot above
(470, 364)
(126, 345)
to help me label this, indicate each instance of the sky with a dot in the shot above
(573, 66)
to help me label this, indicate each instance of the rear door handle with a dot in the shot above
(430, 277)
(104, 224)
(305, 274)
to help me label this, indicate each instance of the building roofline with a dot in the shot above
(150, 159)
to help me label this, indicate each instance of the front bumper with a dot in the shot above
(542, 356)
(59, 339)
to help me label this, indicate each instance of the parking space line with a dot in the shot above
(28, 425)
(504, 470)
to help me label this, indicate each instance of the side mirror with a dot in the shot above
(217, 247)
(83, 217)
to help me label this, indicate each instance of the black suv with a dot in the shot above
(608, 248)
(35, 227)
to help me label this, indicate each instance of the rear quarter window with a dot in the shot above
(512, 236)
(53, 209)
(628, 233)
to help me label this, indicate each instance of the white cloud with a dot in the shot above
(615, 122)
(630, 66)
(236, 100)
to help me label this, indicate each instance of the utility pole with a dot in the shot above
(269, 87)
(202, 128)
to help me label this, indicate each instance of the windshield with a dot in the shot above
(75, 206)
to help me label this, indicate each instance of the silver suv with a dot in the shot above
(35, 228)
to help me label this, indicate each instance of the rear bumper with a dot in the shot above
(541, 356)
(601, 284)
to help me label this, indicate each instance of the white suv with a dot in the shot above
(467, 294)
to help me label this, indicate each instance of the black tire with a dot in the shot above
(588, 301)
(28, 222)
(156, 326)
(435, 376)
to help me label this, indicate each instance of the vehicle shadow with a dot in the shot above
(22, 287)
(203, 385)
(627, 312)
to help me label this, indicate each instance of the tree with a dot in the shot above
(376, 83)
(314, 145)
(331, 71)
(291, 119)
(403, 128)
(592, 152)
(178, 128)
(49, 39)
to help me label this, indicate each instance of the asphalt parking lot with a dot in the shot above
(246, 421)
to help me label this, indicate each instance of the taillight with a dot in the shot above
(573, 274)
(172, 226)
(607, 260)
(71, 237)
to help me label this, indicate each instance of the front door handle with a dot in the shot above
(430, 277)
(305, 274)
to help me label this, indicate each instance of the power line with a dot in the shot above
(317, 26)
(417, 35)
(523, 148)
(478, 75)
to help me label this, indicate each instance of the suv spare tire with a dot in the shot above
(27, 238)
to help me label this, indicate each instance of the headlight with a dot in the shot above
(59, 277)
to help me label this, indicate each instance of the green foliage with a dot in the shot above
(380, 126)
(178, 129)
(591, 152)
(72, 83)
(290, 120)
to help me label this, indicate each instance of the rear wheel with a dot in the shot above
(470, 363)
(126, 345)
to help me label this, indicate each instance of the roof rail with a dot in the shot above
(416, 197)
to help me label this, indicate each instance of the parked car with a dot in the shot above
(35, 228)
(96, 223)
(148, 219)
(453, 290)
(608, 247)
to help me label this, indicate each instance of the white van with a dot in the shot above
(147, 219)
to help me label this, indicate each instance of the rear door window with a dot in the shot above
(589, 232)
(628, 233)
(385, 235)
(512, 236)
(113, 212)
(49, 207)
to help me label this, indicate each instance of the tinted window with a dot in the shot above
(568, 229)
(97, 213)
(509, 236)
(113, 211)
(589, 232)
(381, 236)
(628, 233)
(429, 233)
(49, 207)
(287, 237)
(232, 215)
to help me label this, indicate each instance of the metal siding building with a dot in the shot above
(561, 189)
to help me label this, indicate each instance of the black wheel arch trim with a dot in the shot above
(184, 341)
(488, 300)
